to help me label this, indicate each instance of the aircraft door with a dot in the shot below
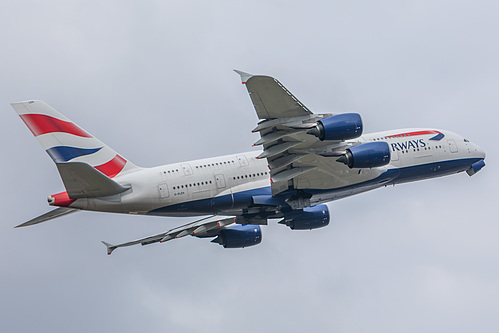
(452, 146)
(163, 190)
(394, 155)
(220, 181)
(243, 161)
(187, 169)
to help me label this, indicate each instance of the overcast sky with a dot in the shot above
(154, 80)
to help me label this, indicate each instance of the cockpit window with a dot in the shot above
(466, 140)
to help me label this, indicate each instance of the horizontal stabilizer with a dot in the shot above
(49, 216)
(83, 181)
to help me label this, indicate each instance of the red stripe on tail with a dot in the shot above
(113, 167)
(40, 124)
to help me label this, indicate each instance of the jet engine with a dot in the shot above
(239, 236)
(366, 155)
(339, 127)
(309, 218)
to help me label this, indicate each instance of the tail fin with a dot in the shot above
(64, 141)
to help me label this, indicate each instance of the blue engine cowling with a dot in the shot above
(367, 155)
(309, 218)
(239, 236)
(344, 126)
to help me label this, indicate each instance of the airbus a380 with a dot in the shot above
(307, 160)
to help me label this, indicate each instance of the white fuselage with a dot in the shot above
(226, 184)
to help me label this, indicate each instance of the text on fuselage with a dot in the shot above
(411, 144)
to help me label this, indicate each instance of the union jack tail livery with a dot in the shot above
(85, 164)
(65, 141)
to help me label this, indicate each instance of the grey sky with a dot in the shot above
(154, 80)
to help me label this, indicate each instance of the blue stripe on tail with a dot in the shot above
(64, 153)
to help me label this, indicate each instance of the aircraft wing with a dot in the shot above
(205, 227)
(297, 160)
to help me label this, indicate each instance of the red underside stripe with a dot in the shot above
(113, 167)
(40, 124)
(413, 133)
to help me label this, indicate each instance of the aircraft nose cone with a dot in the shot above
(480, 152)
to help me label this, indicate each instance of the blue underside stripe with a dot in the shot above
(64, 153)
(391, 176)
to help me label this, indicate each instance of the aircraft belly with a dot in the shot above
(435, 169)
(226, 203)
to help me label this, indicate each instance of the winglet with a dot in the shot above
(110, 247)
(244, 76)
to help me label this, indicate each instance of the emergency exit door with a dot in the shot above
(220, 179)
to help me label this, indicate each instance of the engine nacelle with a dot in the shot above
(339, 127)
(367, 155)
(309, 218)
(239, 236)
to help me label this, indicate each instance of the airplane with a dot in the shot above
(306, 161)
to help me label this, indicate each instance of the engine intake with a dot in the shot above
(239, 236)
(307, 219)
(366, 155)
(339, 127)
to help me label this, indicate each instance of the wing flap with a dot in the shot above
(290, 173)
(278, 149)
